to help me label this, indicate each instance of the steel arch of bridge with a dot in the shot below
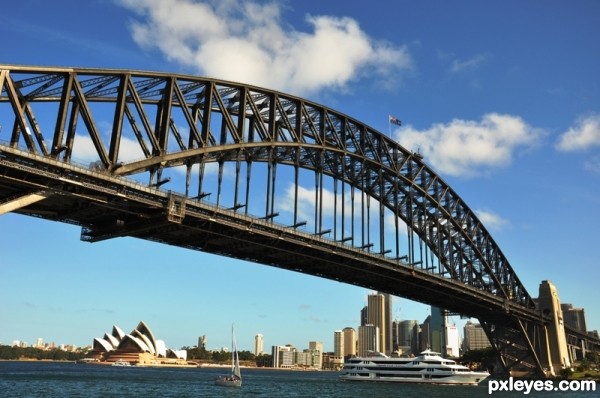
(187, 121)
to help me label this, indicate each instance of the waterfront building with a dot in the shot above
(474, 337)
(349, 342)
(283, 356)
(316, 350)
(258, 344)
(138, 347)
(368, 339)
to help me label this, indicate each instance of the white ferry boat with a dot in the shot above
(429, 367)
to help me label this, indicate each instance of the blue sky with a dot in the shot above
(501, 97)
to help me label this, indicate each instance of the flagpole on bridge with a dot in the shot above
(393, 120)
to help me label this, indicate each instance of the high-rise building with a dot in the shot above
(368, 339)
(202, 342)
(452, 341)
(376, 315)
(437, 330)
(395, 335)
(258, 344)
(364, 318)
(474, 337)
(424, 339)
(315, 348)
(338, 344)
(574, 317)
(349, 342)
(408, 336)
(283, 356)
(387, 323)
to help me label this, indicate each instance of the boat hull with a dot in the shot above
(472, 379)
(228, 382)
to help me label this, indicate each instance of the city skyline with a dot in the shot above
(499, 98)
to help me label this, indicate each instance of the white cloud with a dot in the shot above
(491, 220)
(469, 64)
(246, 41)
(585, 134)
(467, 148)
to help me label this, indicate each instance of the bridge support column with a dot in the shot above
(22, 201)
(558, 357)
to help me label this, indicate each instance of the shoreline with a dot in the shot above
(166, 365)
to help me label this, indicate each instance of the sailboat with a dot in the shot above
(235, 379)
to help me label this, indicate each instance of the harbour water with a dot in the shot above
(52, 379)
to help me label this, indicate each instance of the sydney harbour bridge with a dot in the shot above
(261, 176)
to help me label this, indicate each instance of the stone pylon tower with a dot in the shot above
(556, 356)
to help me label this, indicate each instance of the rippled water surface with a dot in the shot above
(48, 379)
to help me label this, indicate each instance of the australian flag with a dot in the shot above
(395, 120)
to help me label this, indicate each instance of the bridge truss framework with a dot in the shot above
(232, 143)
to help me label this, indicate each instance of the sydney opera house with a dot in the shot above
(138, 347)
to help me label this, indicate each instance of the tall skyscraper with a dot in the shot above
(475, 337)
(388, 323)
(368, 339)
(258, 344)
(364, 318)
(338, 344)
(452, 341)
(376, 315)
(408, 336)
(424, 334)
(437, 330)
(574, 317)
(349, 342)
(202, 342)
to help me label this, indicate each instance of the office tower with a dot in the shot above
(258, 344)
(437, 330)
(283, 356)
(574, 317)
(349, 342)
(368, 339)
(316, 350)
(202, 342)
(387, 323)
(376, 315)
(364, 318)
(338, 343)
(452, 341)
(424, 340)
(475, 337)
(408, 337)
